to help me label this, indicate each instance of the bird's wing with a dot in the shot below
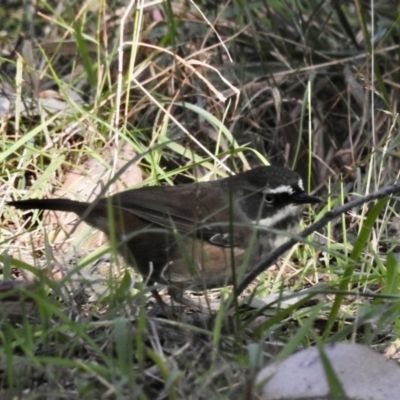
(189, 213)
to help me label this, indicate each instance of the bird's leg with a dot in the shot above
(158, 299)
(161, 303)
(177, 295)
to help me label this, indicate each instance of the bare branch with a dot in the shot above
(329, 216)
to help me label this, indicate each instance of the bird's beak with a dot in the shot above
(305, 198)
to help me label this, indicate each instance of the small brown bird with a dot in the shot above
(191, 236)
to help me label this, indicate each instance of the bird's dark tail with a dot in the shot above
(51, 204)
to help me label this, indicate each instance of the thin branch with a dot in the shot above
(329, 216)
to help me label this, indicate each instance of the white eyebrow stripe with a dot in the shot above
(300, 183)
(280, 189)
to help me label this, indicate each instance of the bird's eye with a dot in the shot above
(269, 199)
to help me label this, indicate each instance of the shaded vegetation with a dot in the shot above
(311, 85)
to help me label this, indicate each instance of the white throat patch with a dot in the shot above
(289, 210)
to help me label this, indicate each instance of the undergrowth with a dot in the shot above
(180, 92)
